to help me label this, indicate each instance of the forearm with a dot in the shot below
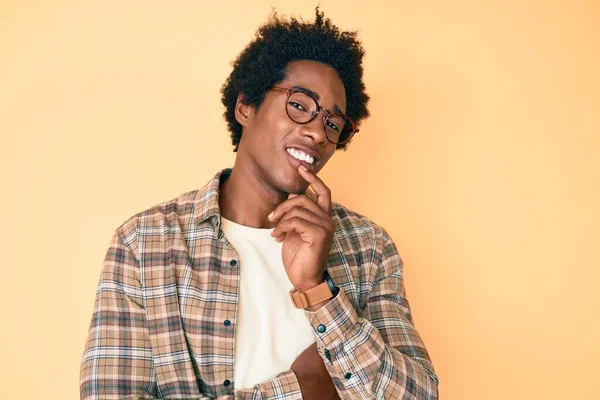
(362, 365)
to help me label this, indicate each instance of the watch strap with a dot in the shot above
(308, 298)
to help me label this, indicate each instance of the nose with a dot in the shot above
(315, 129)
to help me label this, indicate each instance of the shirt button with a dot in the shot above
(321, 328)
(348, 375)
(227, 382)
(227, 322)
(233, 263)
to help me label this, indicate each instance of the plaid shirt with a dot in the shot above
(165, 312)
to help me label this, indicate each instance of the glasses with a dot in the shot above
(302, 108)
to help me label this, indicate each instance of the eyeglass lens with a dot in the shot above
(302, 108)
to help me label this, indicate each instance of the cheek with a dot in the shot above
(273, 124)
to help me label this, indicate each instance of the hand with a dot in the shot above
(313, 377)
(306, 229)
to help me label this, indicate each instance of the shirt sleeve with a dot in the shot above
(117, 359)
(380, 355)
(283, 386)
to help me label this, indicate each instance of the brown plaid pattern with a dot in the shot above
(170, 282)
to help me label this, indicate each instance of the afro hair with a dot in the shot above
(263, 63)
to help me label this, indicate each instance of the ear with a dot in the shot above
(243, 112)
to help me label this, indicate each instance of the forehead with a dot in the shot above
(319, 78)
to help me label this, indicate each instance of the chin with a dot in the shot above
(286, 179)
(295, 186)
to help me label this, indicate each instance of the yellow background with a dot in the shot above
(480, 158)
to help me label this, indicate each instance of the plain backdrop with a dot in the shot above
(480, 158)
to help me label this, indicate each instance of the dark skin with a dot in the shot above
(265, 190)
(315, 382)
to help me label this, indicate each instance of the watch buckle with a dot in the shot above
(299, 299)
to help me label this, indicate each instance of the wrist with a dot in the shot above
(312, 295)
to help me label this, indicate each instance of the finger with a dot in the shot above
(281, 237)
(298, 201)
(324, 199)
(309, 232)
(303, 213)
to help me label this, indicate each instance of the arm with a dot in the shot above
(380, 355)
(117, 359)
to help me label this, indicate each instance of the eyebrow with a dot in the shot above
(316, 96)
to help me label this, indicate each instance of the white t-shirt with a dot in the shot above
(270, 331)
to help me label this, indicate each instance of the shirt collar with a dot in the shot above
(206, 204)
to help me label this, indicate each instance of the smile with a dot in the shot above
(300, 155)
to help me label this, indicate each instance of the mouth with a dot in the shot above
(298, 157)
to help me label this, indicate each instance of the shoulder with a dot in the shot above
(160, 219)
(363, 242)
(351, 223)
(361, 236)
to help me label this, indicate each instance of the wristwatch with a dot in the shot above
(308, 298)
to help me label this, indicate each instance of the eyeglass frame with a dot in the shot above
(291, 91)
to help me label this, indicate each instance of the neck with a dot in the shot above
(246, 199)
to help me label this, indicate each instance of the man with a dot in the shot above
(258, 286)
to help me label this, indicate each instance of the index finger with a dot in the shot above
(319, 187)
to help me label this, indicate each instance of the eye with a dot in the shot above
(333, 126)
(297, 105)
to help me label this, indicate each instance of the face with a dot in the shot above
(269, 135)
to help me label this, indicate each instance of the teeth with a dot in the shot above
(300, 155)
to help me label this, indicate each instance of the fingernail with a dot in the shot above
(303, 168)
(271, 215)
